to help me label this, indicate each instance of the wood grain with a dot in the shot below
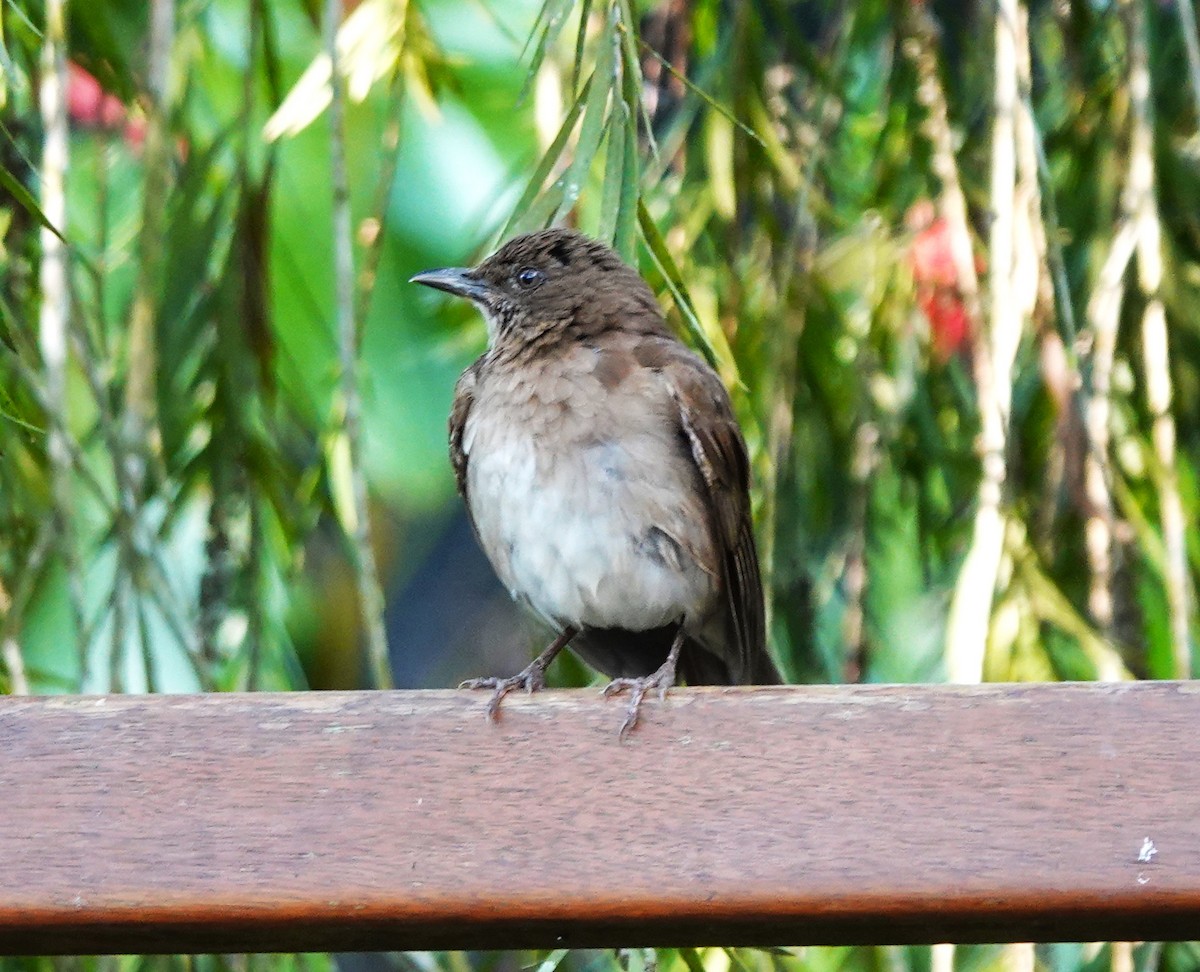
(774, 816)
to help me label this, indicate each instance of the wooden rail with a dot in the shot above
(772, 816)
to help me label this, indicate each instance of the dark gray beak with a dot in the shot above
(454, 280)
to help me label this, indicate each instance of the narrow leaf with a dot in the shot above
(627, 26)
(338, 464)
(541, 213)
(774, 148)
(585, 14)
(595, 120)
(8, 412)
(27, 202)
(547, 163)
(553, 960)
(700, 93)
(614, 174)
(625, 230)
(554, 15)
(674, 280)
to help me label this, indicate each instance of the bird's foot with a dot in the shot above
(531, 680)
(662, 680)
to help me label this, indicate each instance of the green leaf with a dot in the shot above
(778, 153)
(541, 213)
(700, 93)
(554, 15)
(338, 467)
(27, 202)
(518, 220)
(626, 27)
(666, 265)
(585, 14)
(625, 229)
(553, 960)
(8, 412)
(595, 121)
(711, 341)
(614, 175)
(106, 38)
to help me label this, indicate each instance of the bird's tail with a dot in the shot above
(698, 666)
(763, 670)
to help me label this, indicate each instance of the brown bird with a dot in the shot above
(605, 473)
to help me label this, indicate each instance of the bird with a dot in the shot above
(605, 474)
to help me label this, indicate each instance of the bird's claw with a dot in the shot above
(531, 680)
(637, 688)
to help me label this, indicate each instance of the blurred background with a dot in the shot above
(946, 255)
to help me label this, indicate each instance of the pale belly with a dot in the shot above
(597, 536)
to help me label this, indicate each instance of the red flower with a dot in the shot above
(90, 105)
(935, 277)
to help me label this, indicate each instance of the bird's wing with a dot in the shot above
(707, 421)
(464, 399)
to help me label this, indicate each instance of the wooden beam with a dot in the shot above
(774, 816)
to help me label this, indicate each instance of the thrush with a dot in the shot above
(605, 474)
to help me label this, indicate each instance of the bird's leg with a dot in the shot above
(532, 678)
(662, 680)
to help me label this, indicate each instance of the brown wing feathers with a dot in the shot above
(706, 417)
(464, 398)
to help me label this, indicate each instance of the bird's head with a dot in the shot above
(554, 280)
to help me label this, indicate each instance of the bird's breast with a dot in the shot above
(586, 500)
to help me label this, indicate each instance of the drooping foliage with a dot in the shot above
(946, 255)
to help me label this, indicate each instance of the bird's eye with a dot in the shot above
(530, 277)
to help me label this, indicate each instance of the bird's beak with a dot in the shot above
(454, 280)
